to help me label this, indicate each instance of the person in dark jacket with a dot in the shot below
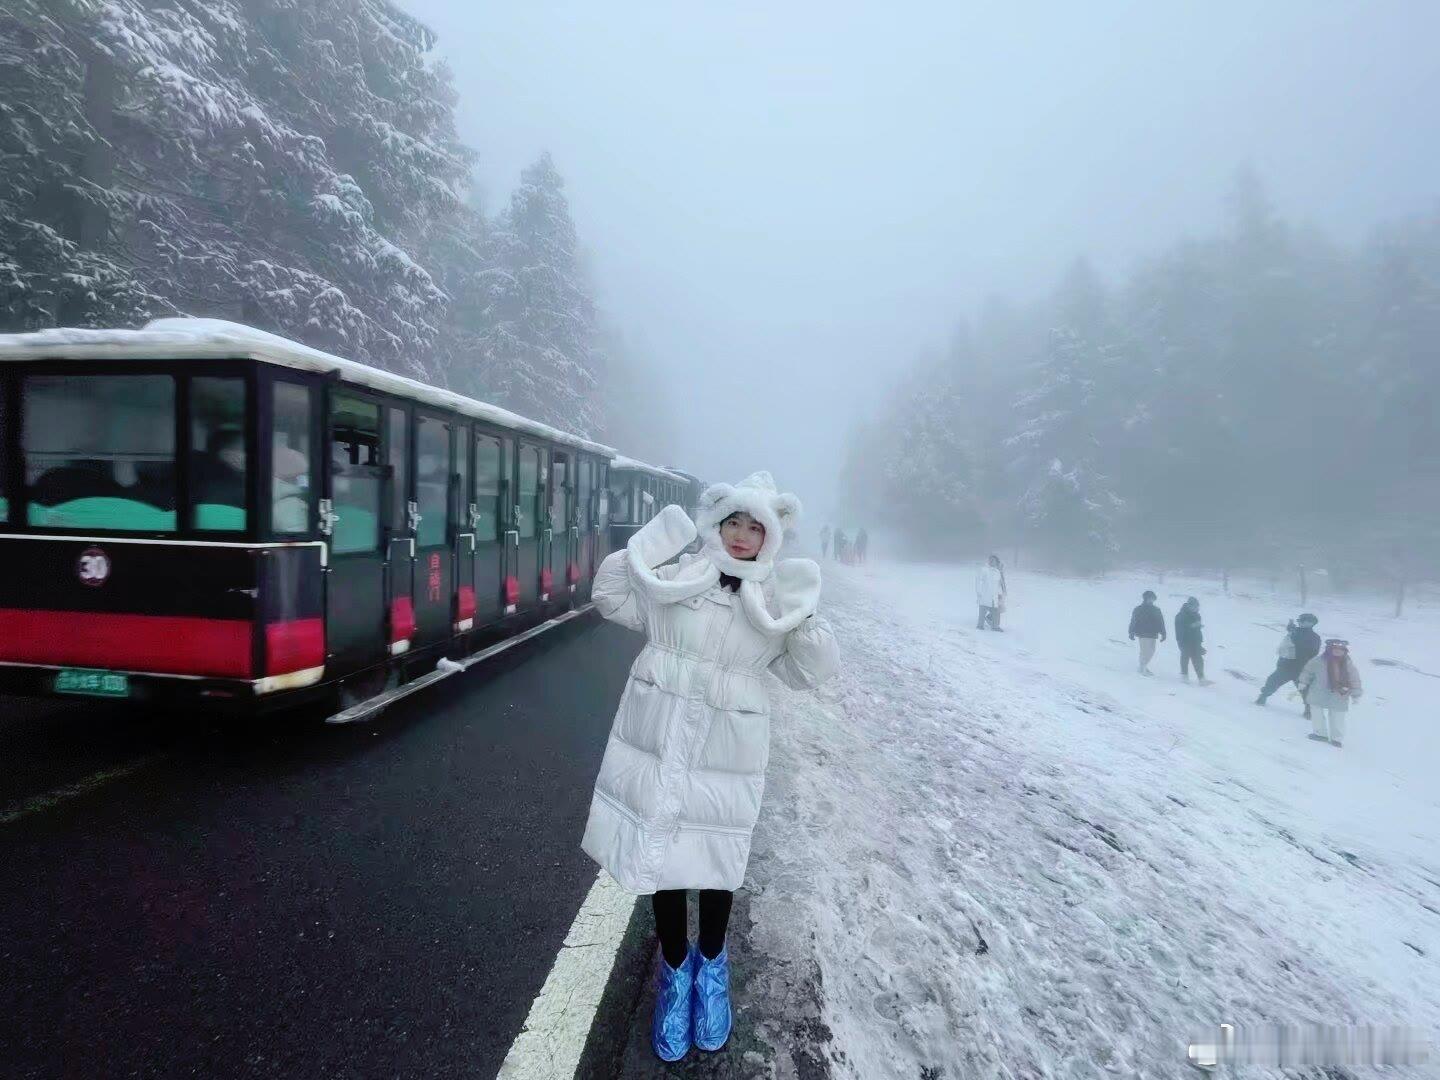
(1298, 647)
(1147, 623)
(1190, 636)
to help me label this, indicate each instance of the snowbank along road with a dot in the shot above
(992, 854)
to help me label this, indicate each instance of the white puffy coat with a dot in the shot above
(680, 785)
(1314, 683)
(988, 592)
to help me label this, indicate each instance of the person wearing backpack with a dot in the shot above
(1298, 647)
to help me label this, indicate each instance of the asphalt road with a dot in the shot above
(383, 900)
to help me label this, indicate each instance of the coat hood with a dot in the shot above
(757, 496)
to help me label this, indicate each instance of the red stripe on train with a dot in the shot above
(164, 644)
(168, 644)
(465, 602)
(294, 646)
(402, 619)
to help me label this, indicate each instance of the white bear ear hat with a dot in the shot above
(796, 582)
(756, 496)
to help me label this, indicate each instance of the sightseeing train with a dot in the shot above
(203, 513)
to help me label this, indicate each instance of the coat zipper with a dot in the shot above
(621, 809)
(724, 830)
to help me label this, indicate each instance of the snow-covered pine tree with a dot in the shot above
(536, 351)
(59, 259)
(1068, 410)
(928, 472)
(635, 406)
(1395, 460)
(274, 161)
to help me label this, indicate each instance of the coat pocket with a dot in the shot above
(735, 692)
(735, 742)
(646, 712)
(660, 668)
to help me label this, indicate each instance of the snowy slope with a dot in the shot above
(1018, 858)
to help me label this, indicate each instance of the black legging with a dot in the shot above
(671, 923)
(1285, 671)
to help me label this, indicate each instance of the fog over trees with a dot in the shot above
(1256, 394)
(1261, 397)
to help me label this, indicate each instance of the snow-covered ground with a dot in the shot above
(1010, 855)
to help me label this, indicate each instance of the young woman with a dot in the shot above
(680, 784)
(1329, 683)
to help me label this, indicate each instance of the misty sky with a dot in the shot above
(787, 202)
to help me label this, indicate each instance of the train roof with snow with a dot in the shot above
(201, 339)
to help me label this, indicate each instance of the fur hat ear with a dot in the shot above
(713, 494)
(787, 509)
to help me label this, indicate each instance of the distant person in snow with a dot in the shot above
(1147, 624)
(1190, 636)
(1298, 647)
(1330, 682)
(990, 593)
(679, 787)
(824, 541)
(862, 542)
(842, 545)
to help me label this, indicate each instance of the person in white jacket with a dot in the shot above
(990, 593)
(681, 781)
(1329, 683)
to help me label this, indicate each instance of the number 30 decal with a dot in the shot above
(93, 567)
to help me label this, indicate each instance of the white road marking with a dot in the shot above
(36, 803)
(551, 1042)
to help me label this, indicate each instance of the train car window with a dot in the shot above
(559, 492)
(218, 462)
(619, 498)
(292, 491)
(488, 470)
(4, 456)
(356, 475)
(527, 510)
(398, 451)
(432, 480)
(584, 511)
(100, 451)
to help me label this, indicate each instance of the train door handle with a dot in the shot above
(328, 518)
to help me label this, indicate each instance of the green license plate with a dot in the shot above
(95, 683)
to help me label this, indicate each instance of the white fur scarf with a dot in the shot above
(796, 581)
(797, 595)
